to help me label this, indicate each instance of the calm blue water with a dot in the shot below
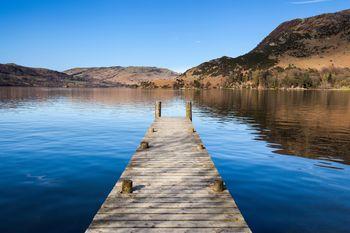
(283, 155)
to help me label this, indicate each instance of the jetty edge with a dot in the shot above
(170, 185)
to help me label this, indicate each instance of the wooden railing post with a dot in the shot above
(189, 110)
(158, 112)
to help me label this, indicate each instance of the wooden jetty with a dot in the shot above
(170, 185)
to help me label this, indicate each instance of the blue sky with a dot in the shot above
(176, 34)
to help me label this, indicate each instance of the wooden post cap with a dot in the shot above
(127, 186)
(218, 185)
(201, 147)
(144, 145)
(192, 130)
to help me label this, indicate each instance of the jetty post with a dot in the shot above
(158, 111)
(126, 186)
(189, 110)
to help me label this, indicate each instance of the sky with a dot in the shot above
(174, 34)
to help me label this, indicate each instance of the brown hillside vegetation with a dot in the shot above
(131, 76)
(305, 53)
(15, 75)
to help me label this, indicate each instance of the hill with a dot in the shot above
(131, 76)
(148, 77)
(308, 53)
(15, 75)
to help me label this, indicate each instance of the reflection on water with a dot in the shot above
(313, 124)
(284, 155)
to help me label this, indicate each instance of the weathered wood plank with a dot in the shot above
(167, 217)
(166, 190)
(172, 191)
(173, 223)
(218, 210)
(167, 205)
(173, 230)
(133, 199)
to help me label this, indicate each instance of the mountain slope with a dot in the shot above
(315, 42)
(132, 75)
(15, 75)
(316, 49)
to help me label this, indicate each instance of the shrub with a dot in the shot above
(197, 83)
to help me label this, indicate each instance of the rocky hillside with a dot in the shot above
(15, 75)
(132, 76)
(310, 53)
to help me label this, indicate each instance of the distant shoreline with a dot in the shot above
(196, 89)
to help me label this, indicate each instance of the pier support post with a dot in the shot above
(189, 110)
(127, 186)
(144, 145)
(218, 185)
(201, 147)
(158, 112)
(191, 130)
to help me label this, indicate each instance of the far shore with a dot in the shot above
(191, 88)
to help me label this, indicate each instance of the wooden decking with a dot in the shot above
(172, 188)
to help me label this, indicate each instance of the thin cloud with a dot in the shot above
(309, 2)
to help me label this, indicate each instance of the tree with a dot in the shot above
(197, 83)
(255, 77)
(179, 83)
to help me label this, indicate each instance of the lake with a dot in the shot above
(284, 155)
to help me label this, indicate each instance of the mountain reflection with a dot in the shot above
(313, 124)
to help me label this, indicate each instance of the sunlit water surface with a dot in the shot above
(284, 155)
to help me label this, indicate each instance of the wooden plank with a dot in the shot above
(160, 224)
(172, 191)
(140, 210)
(132, 200)
(173, 173)
(168, 205)
(173, 230)
(167, 217)
(166, 190)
